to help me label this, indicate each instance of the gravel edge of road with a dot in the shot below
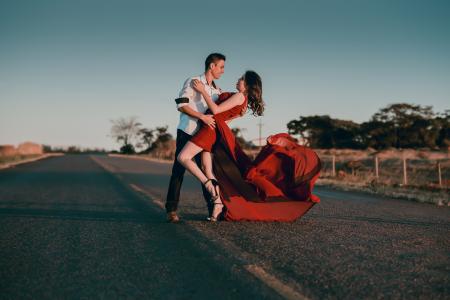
(29, 160)
(164, 161)
(438, 199)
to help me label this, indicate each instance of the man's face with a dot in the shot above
(217, 69)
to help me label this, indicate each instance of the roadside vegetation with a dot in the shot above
(402, 151)
(16, 158)
(397, 126)
(74, 150)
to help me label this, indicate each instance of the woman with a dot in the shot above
(276, 186)
(228, 107)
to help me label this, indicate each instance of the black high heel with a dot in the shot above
(217, 210)
(218, 204)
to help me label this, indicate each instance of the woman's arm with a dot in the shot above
(243, 111)
(207, 119)
(236, 99)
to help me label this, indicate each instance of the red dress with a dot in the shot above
(206, 137)
(276, 186)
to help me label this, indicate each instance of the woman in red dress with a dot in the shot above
(276, 186)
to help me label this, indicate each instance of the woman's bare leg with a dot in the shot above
(207, 164)
(186, 159)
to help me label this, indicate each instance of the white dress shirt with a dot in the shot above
(196, 102)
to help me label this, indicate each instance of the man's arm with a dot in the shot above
(186, 95)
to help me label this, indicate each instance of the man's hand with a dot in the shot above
(209, 120)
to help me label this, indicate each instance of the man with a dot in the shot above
(192, 107)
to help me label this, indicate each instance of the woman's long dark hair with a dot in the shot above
(253, 85)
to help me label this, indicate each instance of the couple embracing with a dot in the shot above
(276, 186)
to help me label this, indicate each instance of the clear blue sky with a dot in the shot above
(68, 67)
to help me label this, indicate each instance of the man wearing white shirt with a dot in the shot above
(192, 107)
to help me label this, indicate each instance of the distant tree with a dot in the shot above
(126, 131)
(73, 149)
(377, 135)
(325, 132)
(147, 138)
(164, 145)
(47, 148)
(162, 136)
(316, 130)
(127, 149)
(347, 134)
(442, 122)
(411, 125)
(399, 125)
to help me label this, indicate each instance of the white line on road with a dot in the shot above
(273, 282)
(154, 198)
(268, 279)
(257, 271)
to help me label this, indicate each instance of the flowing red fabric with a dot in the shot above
(276, 186)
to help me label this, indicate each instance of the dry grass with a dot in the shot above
(356, 170)
(16, 158)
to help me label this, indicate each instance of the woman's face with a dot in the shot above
(240, 84)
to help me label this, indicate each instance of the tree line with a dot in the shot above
(399, 125)
(134, 138)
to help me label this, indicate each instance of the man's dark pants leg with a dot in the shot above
(176, 179)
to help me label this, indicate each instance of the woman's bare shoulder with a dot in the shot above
(240, 97)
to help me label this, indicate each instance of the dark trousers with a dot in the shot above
(176, 179)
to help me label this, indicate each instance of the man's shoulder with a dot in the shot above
(194, 77)
(189, 79)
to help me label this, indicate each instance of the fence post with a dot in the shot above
(439, 174)
(376, 166)
(405, 175)
(334, 166)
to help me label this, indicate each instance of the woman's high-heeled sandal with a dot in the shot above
(218, 204)
(217, 210)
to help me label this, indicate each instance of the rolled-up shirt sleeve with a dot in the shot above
(186, 94)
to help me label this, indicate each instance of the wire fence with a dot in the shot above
(389, 171)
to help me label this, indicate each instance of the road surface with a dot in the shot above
(93, 227)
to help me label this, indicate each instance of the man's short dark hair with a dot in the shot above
(213, 58)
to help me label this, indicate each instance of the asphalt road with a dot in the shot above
(93, 227)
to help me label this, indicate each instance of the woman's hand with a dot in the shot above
(198, 86)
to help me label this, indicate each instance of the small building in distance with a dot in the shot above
(7, 150)
(27, 148)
